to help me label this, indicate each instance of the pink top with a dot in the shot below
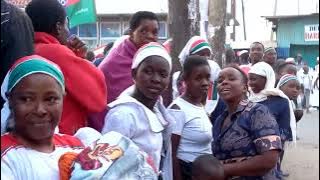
(116, 68)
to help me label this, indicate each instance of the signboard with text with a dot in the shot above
(311, 32)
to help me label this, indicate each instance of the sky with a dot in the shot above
(258, 28)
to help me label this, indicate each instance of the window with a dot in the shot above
(110, 29)
(74, 30)
(88, 30)
(162, 30)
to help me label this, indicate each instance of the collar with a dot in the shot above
(42, 37)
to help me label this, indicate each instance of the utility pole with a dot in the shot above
(217, 18)
(274, 13)
(184, 22)
(233, 13)
(244, 21)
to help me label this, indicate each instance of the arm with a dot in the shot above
(175, 139)
(119, 120)
(256, 166)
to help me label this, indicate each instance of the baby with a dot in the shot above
(207, 167)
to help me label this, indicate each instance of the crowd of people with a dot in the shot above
(70, 115)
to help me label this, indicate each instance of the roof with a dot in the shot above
(19, 3)
(274, 18)
(125, 7)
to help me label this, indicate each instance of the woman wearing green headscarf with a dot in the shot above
(34, 89)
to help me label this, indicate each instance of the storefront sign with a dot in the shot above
(311, 32)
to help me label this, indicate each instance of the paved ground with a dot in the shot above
(302, 162)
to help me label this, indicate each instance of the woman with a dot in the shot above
(35, 90)
(144, 27)
(192, 134)
(246, 136)
(85, 86)
(138, 113)
(261, 83)
(197, 46)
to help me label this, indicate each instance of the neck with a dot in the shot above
(43, 145)
(233, 105)
(139, 96)
(198, 101)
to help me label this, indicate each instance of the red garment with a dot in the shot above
(86, 90)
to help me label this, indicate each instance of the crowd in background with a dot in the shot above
(71, 114)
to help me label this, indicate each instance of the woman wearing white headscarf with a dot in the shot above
(139, 113)
(197, 46)
(261, 83)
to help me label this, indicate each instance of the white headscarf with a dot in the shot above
(151, 49)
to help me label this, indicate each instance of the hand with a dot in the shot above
(77, 46)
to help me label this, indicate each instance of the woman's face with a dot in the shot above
(256, 82)
(291, 89)
(230, 85)
(152, 76)
(204, 53)
(197, 83)
(145, 33)
(36, 104)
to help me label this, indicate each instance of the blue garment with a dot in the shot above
(218, 110)
(252, 131)
(279, 108)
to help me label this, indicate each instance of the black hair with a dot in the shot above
(45, 14)
(192, 62)
(243, 74)
(281, 64)
(256, 42)
(206, 165)
(139, 16)
(107, 48)
(230, 56)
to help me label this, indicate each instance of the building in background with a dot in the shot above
(113, 20)
(297, 34)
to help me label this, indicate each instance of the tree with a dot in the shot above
(183, 20)
(217, 18)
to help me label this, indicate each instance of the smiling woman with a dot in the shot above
(35, 90)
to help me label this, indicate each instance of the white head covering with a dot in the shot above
(265, 70)
(191, 48)
(150, 49)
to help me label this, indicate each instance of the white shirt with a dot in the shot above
(20, 163)
(195, 130)
(306, 80)
(132, 119)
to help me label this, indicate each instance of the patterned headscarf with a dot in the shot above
(150, 49)
(194, 45)
(269, 49)
(286, 78)
(22, 68)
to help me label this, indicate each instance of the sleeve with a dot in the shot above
(180, 120)
(84, 82)
(121, 121)
(264, 129)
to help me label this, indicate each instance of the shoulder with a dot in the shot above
(8, 142)
(66, 141)
(127, 111)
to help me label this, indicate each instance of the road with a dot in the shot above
(302, 161)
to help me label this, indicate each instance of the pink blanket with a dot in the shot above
(116, 68)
